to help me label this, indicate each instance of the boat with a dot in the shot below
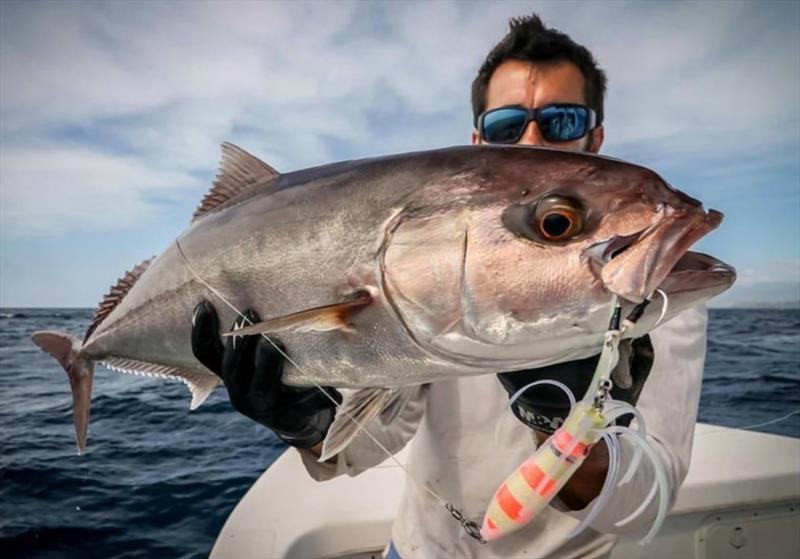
(741, 499)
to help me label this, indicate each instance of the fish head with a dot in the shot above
(514, 260)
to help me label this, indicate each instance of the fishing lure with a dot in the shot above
(531, 487)
(551, 467)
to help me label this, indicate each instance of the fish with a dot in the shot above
(382, 274)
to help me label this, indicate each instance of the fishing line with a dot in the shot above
(764, 424)
(469, 526)
(560, 385)
(631, 470)
(612, 444)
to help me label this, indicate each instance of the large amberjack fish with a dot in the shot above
(385, 273)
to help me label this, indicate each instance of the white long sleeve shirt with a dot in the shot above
(466, 442)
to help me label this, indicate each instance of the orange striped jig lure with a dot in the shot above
(531, 487)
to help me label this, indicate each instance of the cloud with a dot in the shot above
(707, 79)
(57, 190)
(111, 114)
(142, 96)
(148, 91)
(770, 271)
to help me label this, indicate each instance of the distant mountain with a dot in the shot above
(760, 295)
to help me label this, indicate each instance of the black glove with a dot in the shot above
(545, 407)
(252, 368)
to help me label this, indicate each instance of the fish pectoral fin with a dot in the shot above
(318, 319)
(357, 409)
(201, 385)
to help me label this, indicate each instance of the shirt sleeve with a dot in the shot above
(668, 404)
(363, 453)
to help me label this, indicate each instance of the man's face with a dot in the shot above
(532, 85)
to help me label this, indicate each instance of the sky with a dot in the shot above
(111, 114)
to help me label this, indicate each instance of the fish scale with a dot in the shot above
(461, 274)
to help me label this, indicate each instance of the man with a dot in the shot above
(464, 447)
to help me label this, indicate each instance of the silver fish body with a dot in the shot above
(444, 250)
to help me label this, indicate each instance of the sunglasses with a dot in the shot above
(559, 122)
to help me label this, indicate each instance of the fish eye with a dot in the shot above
(551, 219)
(557, 218)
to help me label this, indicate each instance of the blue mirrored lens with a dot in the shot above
(561, 124)
(503, 125)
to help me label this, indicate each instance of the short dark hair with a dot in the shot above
(529, 40)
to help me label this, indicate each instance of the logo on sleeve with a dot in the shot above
(538, 421)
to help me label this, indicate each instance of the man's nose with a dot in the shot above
(532, 136)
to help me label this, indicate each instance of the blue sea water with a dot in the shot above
(160, 481)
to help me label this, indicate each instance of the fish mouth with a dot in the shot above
(635, 266)
(696, 271)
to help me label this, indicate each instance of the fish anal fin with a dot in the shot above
(238, 172)
(318, 319)
(200, 384)
(115, 294)
(357, 409)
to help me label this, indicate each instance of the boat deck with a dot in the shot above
(741, 499)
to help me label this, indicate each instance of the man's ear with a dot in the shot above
(476, 138)
(597, 137)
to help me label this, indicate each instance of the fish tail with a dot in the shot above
(66, 350)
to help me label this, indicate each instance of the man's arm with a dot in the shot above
(544, 407)
(668, 403)
(586, 483)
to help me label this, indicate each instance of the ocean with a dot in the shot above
(160, 481)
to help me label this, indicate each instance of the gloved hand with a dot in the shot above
(251, 369)
(545, 407)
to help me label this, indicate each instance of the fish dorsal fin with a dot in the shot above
(116, 294)
(238, 171)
